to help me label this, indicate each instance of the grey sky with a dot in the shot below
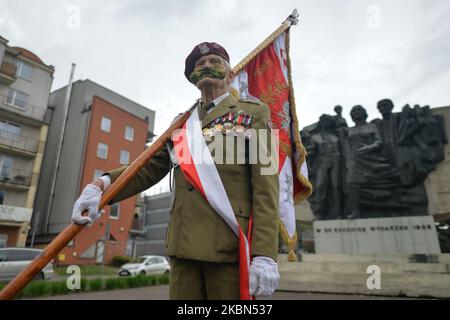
(343, 52)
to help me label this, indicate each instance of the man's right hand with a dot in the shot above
(88, 200)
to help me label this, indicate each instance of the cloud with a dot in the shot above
(137, 48)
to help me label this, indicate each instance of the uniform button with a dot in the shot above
(190, 187)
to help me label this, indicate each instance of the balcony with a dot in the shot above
(27, 112)
(7, 73)
(18, 144)
(15, 214)
(13, 178)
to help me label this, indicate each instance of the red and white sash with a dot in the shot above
(199, 169)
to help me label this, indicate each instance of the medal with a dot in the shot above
(228, 126)
(239, 130)
(218, 127)
(206, 132)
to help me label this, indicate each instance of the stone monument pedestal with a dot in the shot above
(399, 235)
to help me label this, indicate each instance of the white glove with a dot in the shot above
(264, 276)
(88, 200)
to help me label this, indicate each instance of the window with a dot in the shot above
(160, 260)
(17, 98)
(3, 242)
(2, 196)
(112, 238)
(124, 157)
(114, 213)
(24, 70)
(9, 130)
(89, 253)
(129, 133)
(106, 124)
(21, 255)
(102, 151)
(98, 174)
(6, 164)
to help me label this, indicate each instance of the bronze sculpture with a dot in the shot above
(374, 169)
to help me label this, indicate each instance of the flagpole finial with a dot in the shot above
(293, 18)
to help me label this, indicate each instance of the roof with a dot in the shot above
(31, 56)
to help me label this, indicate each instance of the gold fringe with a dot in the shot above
(301, 151)
(291, 242)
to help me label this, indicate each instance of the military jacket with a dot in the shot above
(195, 230)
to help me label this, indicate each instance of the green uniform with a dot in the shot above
(196, 233)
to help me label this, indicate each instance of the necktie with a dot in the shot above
(204, 108)
(209, 106)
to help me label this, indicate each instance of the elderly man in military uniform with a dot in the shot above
(202, 248)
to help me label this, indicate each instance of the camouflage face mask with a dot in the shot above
(217, 72)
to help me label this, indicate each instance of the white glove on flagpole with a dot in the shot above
(264, 276)
(88, 200)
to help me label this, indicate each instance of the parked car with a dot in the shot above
(146, 265)
(14, 260)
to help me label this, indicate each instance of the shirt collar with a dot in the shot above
(220, 99)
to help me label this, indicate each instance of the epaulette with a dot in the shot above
(257, 102)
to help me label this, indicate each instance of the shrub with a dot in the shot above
(36, 289)
(119, 261)
(136, 282)
(116, 283)
(95, 285)
(59, 288)
(122, 283)
(84, 285)
(164, 279)
(45, 288)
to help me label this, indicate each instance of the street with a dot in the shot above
(162, 293)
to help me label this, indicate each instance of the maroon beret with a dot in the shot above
(201, 50)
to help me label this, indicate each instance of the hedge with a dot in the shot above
(49, 288)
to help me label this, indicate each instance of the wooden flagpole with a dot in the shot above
(291, 20)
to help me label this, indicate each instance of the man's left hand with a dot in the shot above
(264, 276)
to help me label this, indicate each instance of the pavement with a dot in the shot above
(162, 293)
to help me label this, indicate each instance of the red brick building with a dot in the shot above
(112, 135)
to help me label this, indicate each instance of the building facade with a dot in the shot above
(157, 215)
(103, 131)
(25, 83)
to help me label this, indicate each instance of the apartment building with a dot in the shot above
(25, 84)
